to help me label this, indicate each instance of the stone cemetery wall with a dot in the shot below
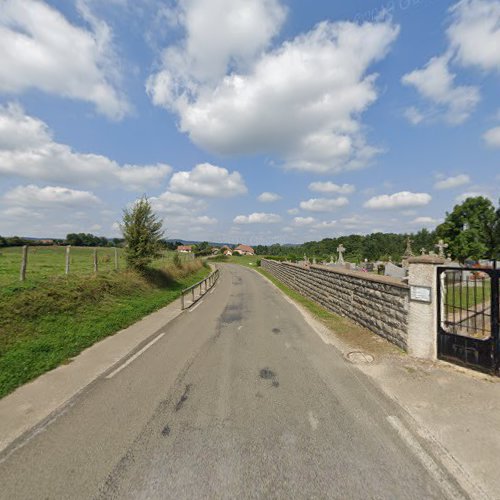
(378, 303)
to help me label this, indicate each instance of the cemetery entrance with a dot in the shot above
(468, 309)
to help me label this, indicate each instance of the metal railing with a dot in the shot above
(198, 290)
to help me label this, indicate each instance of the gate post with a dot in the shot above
(423, 306)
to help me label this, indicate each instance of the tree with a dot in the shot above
(471, 230)
(142, 231)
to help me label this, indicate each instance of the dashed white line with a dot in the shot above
(194, 307)
(135, 356)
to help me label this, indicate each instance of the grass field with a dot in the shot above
(46, 322)
(47, 262)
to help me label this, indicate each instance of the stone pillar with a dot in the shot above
(422, 319)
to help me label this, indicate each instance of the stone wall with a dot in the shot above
(378, 303)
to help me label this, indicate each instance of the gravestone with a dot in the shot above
(341, 251)
(395, 271)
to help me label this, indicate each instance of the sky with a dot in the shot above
(246, 121)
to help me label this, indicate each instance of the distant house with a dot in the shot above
(244, 250)
(215, 250)
(185, 248)
(226, 250)
(45, 242)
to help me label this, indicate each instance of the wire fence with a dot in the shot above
(37, 263)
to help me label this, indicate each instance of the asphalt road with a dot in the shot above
(238, 398)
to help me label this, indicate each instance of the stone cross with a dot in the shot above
(423, 251)
(441, 245)
(331, 259)
(306, 260)
(314, 260)
(408, 251)
(341, 250)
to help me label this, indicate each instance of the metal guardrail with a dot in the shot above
(206, 283)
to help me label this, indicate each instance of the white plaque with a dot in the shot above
(420, 293)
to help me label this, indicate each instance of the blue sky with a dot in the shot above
(254, 121)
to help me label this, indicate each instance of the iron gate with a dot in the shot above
(468, 325)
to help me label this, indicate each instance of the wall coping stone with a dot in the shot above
(384, 280)
(426, 259)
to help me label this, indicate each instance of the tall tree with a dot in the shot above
(470, 229)
(142, 231)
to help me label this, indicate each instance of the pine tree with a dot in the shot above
(142, 231)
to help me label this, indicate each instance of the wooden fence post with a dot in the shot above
(116, 259)
(24, 263)
(68, 249)
(96, 265)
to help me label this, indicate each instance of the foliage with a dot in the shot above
(472, 230)
(45, 324)
(371, 246)
(142, 231)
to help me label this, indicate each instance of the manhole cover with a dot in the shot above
(358, 357)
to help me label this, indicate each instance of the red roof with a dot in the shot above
(186, 248)
(245, 248)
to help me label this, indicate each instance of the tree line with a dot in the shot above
(471, 231)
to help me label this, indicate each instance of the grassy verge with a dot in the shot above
(45, 325)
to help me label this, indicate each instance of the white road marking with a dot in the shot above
(426, 460)
(240, 327)
(313, 420)
(135, 356)
(197, 305)
(212, 291)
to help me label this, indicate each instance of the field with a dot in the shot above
(50, 318)
(47, 262)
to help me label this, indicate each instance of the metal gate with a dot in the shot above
(468, 325)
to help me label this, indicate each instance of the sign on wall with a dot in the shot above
(421, 294)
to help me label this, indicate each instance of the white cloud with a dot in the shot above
(267, 197)
(404, 199)
(209, 181)
(303, 221)
(436, 83)
(177, 204)
(293, 211)
(414, 115)
(40, 48)
(323, 204)
(301, 101)
(471, 194)
(492, 137)
(425, 221)
(474, 33)
(452, 182)
(326, 224)
(330, 187)
(49, 197)
(27, 150)
(205, 220)
(257, 218)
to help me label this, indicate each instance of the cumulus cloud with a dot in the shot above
(209, 181)
(436, 83)
(425, 221)
(301, 101)
(27, 150)
(49, 197)
(41, 49)
(323, 204)
(267, 197)
(326, 224)
(257, 218)
(474, 33)
(404, 199)
(471, 194)
(303, 221)
(492, 137)
(330, 187)
(452, 182)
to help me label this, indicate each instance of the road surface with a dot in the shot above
(238, 398)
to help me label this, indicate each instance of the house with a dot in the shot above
(185, 248)
(226, 250)
(244, 250)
